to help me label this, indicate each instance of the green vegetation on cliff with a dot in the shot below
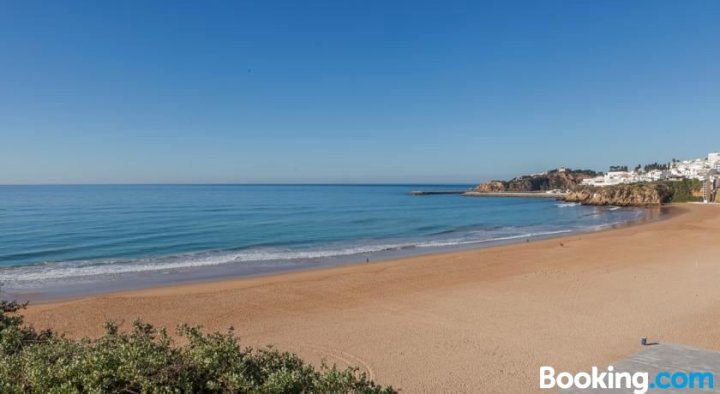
(146, 360)
(686, 190)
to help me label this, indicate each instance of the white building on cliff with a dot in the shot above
(700, 169)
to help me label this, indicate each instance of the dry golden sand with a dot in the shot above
(473, 321)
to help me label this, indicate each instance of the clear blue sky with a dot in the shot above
(351, 91)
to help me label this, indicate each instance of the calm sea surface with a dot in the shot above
(66, 240)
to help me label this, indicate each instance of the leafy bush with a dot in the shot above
(685, 190)
(147, 360)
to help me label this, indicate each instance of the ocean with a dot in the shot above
(60, 241)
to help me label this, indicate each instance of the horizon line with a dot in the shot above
(241, 184)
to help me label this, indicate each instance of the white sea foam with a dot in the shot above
(567, 204)
(85, 268)
(497, 239)
(104, 267)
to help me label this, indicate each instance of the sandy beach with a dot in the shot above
(473, 321)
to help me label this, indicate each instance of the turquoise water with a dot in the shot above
(73, 239)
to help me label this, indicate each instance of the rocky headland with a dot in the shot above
(621, 195)
(568, 186)
(560, 179)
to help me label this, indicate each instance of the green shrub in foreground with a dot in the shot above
(146, 360)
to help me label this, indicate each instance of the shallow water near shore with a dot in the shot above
(60, 241)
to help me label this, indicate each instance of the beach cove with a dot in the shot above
(472, 321)
(71, 241)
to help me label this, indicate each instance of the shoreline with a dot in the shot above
(469, 321)
(670, 211)
(180, 278)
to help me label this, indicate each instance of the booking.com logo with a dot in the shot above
(639, 382)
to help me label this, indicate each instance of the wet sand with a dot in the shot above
(473, 321)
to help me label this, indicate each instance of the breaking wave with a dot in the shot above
(104, 267)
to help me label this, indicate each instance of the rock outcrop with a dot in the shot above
(492, 187)
(569, 182)
(641, 194)
(555, 179)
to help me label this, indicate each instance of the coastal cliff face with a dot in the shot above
(635, 194)
(492, 187)
(622, 195)
(550, 180)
